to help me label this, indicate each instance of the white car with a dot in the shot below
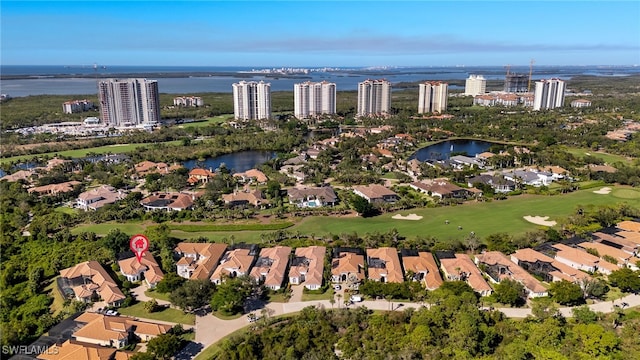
(111, 313)
(337, 287)
(355, 298)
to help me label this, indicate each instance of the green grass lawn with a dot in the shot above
(209, 121)
(66, 210)
(78, 153)
(606, 157)
(484, 218)
(327, 295)
(130, 228)
(157, 295)
(167, 314)
(58, 302)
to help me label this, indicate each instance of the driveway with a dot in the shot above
(296, 291)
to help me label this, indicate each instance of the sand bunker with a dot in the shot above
(408, 217)
(540, 220)
(603, 191)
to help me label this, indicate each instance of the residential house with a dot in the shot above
(252, 175)
(384, 265)
(580, 103)
(170, 201)
(312, 197)
(116, 331)
(74, 350)
(622, 258)
(460, 161)
(530, 178)
(602, 168)
(96, 198)
(293, 171)
(24, 175)
(133, 269)
(423, 267)
(234, 263)
(198, 260)
(625, 241)
(414, 168)
(307, 267)
(199, 175)
(582, 260)
(146, 167)
(628, 225)
(54, 189)
(347, 267)
(459, 267)
(375, 193)
(498, 184)
(271, 266)
(89, 281)
(440, 188)
(499, 267)
(243, 198)
(547, 268)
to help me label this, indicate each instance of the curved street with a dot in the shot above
(210, 329)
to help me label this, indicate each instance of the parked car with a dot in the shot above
(337, 287)
(355, 298)
(111, 313)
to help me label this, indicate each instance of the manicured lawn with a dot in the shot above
(167, 314)
(483, 218)
(67, 210)
(130, 228)
(58, 302)
(608, 158)
(79, 153)
(277, 297)
(209, 121)
(252, 237)
(327, 295)
(157, 295)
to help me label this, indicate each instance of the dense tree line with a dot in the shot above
(453, 328)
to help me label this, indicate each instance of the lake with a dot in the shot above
(236, 162)
(443, 150)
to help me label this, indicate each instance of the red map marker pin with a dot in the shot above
(139, 244)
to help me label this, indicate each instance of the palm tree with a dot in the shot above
(339, 297)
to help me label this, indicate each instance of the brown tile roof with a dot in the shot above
(582, 257)
(237, 260)
(253, 173)
(602, 168)
(310, 262)
(325, 192)
(272, 265)
(202, 173)
(19, 175)
(254, 198)
(627, 225)
(630, 236)
(517, 273)
(347, 262)
(53, 189)
(374, 191)
(174, 201)
(602, 249)
(101, 196)
(209, 254)
(461, 267)
(74, 350)
(424, 262)
(384, 262)
(106, 328)
(147, 264)
(565, 272)
(147, 167)
(437, 187)
(100, 281)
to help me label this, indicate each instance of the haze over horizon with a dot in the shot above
(317, 34)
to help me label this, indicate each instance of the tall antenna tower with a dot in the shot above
(530, 73)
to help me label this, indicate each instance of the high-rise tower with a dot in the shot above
(549, 94)
(432, 97)
(252, 100)
(374, 97)
(312, 99)
(129, 102)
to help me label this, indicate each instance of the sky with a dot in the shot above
(319, 33)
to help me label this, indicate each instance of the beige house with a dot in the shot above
(461, 268)
(582, 260)
(241, 198)
(89, 281)
(307, 267)
(424, 269)
(96, 198)
(75, 350)
(54, 189)
(115, 331)
(547, 268)
(384, 265)
(348, 268)
(252, 175)
(375, 193)
(198, 260)
(134, 270)
(271, 266)
(234, 263)
(499, 267)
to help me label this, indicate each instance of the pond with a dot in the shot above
(443, 150)
(236, 162)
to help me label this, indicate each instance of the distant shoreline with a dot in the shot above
(159, 75)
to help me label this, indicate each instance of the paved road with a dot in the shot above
(210, 329)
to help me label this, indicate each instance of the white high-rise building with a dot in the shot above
(313, 99)
(252, 100)
(475, 85)
(433, 97)
(374, 97)
(549, 94)
(129, 102)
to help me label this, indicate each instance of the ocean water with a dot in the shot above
(41, 80)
